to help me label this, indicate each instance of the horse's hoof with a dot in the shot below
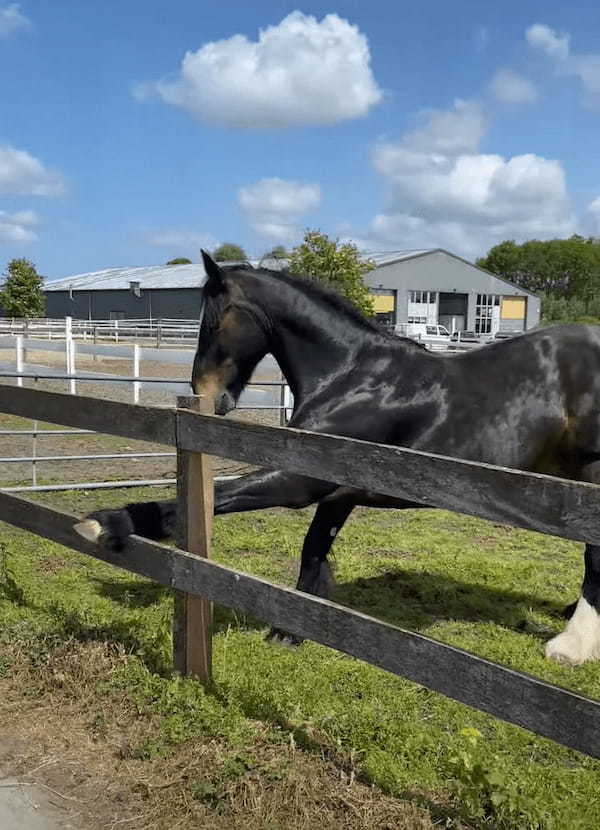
(283, 638)
(109, 529)
(567, 648)
(580, 641)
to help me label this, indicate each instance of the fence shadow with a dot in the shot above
(143, 594)
(411, 599)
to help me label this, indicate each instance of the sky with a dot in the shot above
(135, 131)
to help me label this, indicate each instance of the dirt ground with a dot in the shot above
(68, 761)
(53, 472)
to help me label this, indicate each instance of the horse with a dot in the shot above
(531, 403)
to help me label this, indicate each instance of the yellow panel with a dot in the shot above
(513, 308)
(383, 303)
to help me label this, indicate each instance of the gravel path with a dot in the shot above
(28, 807)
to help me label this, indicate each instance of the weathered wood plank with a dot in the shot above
(536, 502)
(192, 619)
(146, 423)
(558, 714)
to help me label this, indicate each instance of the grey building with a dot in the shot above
(161, 292)
(434, 286)
(429, 286)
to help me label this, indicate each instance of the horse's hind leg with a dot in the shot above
(580, 641)
(315, 574)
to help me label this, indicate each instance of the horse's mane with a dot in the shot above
(312, 288)
(315, 290)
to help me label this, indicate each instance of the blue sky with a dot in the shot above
(132, 132)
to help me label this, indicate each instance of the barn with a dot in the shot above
(434, 286)
(426, 286)
(158, 292)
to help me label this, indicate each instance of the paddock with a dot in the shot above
(549, 505)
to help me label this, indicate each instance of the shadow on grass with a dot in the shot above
(414, 599)
(407, 599)
(136, 594)
(132, 593)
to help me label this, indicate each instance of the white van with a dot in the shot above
(432, 335)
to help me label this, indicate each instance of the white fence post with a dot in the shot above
(19, 356)
(70, 354)
(136, 373)
(116, 331)
(288, 402)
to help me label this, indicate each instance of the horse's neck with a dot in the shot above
(310, 339)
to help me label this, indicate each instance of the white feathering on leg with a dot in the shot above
(90, 529)
(580, 641)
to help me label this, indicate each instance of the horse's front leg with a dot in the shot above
(258, 491)
(158, 519)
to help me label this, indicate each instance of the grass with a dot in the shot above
(493, 590)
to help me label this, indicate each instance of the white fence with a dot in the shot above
(162, 331)
(260, 395)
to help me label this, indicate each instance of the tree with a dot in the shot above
(228, 252)
(22, 294)
(337, 265)
(278, 252)
(180, 260)
(568, 268)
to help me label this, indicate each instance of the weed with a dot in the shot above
(485, 791)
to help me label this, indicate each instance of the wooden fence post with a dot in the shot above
(192, 620)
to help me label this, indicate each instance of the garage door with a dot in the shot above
(512, 313)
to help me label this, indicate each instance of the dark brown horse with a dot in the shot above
(531, 403)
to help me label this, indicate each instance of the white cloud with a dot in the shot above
(543, 37)
(273, 206)
(183, 240)
(512, 88)
(442, 192)
(21, 174)
(593, 217)
(587, 68)
(19, 226)
(557, 47)
(300, 72)
(11, 20)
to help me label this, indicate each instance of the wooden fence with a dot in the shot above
(537, 502)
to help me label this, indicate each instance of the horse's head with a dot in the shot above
(232, 340)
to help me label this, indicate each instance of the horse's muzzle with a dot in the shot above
(224, 403)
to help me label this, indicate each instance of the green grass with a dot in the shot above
(493, 590)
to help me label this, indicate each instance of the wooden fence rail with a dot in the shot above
(539, 502)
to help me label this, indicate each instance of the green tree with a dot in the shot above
(278, 252)
(338, 265)
(568, 268)
(228, 252)
(22, 294)
(180, 260)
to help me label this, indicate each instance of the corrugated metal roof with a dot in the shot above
(387, 257)
(152, 276)
(156, 276)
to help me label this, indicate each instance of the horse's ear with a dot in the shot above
(215, 284)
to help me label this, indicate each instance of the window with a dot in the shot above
(484, 312)
(422, 297)
(413, 319)
(116, 315)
